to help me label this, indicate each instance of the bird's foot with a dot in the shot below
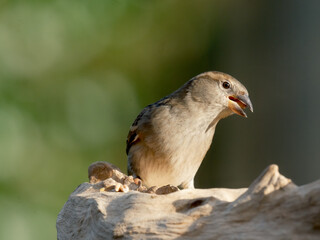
(163, 190)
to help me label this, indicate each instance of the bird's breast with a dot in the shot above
(173, 150)
(182, 149)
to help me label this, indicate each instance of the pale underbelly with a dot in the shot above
(174, 170)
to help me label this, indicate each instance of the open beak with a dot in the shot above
(238, 103)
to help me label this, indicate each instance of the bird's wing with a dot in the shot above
(142, 124)
(134, 133)
(132, 138)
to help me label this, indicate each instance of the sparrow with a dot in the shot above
(169, 139)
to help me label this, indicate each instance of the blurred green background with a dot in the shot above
(75, 74)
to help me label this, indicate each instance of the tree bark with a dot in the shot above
(271, 208)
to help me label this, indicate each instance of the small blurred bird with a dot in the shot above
(169, 139)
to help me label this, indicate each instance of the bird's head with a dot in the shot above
(221, 91)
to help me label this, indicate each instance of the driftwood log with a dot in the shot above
(114, 206)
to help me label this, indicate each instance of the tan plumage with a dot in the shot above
(169, 139)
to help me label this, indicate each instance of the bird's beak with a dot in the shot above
(238, 103)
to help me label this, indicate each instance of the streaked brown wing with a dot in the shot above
(144, 117)
(132, 138)
(133, 135)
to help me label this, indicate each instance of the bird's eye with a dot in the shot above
(226, 85)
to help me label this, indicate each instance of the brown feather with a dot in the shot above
(132, 138)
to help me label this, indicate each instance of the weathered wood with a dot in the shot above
(271, 208)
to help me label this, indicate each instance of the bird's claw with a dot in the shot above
(162, 190)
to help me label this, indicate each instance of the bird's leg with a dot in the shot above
(163, 190)
(187, 185)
